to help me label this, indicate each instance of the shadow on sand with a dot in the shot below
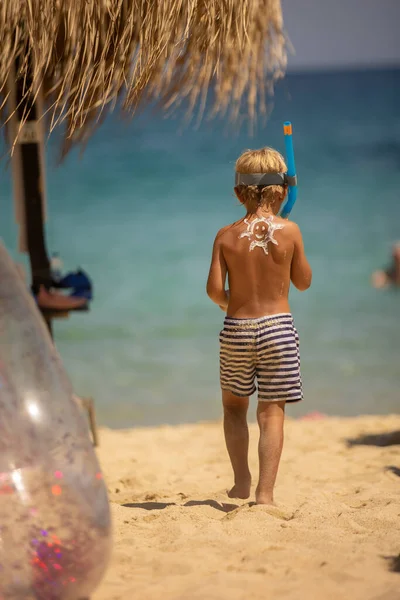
(226, 508)
(393, 563)
(380, 439)
(394, 470)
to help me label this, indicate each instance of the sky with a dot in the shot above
(343, 33)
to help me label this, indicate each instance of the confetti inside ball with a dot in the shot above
(55, 529)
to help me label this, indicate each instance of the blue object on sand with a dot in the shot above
(292, 192)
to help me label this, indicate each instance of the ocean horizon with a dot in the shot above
(139, 211)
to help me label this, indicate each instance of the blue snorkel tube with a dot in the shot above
(291, 172)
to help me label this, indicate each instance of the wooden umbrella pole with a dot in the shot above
(29, 169)
(29, 189)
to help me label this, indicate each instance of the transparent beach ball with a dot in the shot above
(55, 529)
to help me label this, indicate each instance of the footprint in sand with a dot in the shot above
(234, 513)
(278, 512)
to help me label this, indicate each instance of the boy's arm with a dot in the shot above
(217, 276)
(300, 270)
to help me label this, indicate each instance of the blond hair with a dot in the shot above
(266, 160)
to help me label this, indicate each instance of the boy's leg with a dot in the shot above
(237, 442)
(270, 417)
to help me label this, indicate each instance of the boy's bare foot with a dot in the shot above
(240, 490)
(264, 498)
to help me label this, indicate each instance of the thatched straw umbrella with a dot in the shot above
(75, 60)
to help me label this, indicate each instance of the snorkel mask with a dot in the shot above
(289, 178)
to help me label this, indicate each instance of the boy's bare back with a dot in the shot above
(260, 254)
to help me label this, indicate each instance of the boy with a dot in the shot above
(261, 254)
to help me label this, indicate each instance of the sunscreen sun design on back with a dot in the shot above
(261, 231)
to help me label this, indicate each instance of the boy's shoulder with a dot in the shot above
(225, 232)
(290, 226)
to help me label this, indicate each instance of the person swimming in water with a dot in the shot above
(391, 276)
(261, 254)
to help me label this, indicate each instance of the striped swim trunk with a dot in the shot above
(266, 350)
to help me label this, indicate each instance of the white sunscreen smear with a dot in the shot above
(260, 232)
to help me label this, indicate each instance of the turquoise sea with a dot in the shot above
(139, 212)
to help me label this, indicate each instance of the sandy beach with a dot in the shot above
(335, 532)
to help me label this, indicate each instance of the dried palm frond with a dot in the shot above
(89, 55)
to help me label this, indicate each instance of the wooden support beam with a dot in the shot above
(28, 167)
